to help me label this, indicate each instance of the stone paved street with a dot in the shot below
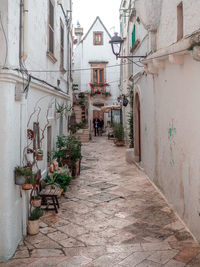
(110, 216)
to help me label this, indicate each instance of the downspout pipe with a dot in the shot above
(25, 28)
(21, 32)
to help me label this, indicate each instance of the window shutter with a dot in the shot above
(133, 36)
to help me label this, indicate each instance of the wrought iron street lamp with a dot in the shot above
(116, 44)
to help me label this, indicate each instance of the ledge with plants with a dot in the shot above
(95, 85)
(24, 177)
(103, 93)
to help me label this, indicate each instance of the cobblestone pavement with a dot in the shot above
(110, 216)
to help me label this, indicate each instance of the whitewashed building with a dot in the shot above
(35, 77)
(166, 107)
(96, 69)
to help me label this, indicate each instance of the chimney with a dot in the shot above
(78, 32)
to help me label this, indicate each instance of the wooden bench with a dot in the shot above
(50, 193)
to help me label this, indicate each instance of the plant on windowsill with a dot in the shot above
(22, 174)
(33, 222)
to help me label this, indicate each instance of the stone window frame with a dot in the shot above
(51, 31)
(100, 34)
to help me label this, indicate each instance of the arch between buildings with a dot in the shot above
(137, 125)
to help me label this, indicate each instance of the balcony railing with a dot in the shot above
(96, 85)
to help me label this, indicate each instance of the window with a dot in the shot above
(61, 45)
(133, 36)
(98, 75)
(51, 27)
(98, 38)
(180, 21)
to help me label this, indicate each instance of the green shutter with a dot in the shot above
(121, 29)
(133, 36)
(124, 17)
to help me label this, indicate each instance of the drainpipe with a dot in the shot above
(21, 32)
(25, 26)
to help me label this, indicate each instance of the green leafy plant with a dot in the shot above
(131, 119)
(118, 130)
(36, 197)
(22, 171)
(36, 214)
(62, 179)
(40, 152)
(68, 148)
(30, 180)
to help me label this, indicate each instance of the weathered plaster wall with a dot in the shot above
(170, 118)
(149, 12)
(167, 31)
(177, 139)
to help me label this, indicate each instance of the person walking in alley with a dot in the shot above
(96, 124)
(101, 124)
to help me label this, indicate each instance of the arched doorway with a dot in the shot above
(137, 129)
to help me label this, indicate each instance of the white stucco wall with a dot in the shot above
(15, 114)
(170, 119)
(177, 139)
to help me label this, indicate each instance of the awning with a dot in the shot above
(106, 109)
(95, 108)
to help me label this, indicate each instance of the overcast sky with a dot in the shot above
(85, 11)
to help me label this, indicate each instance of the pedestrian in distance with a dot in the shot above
(101, 124)
(96, 124)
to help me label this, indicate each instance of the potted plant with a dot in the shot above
(33, 222)
(21, 175)
(29, 183)
(68, 152)
(118, 134)
(39, 154)
(36, 201)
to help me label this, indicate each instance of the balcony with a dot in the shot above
(98, 85)
(99, 93)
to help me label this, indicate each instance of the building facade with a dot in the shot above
(166, 109)
(35, 81)
(96, 70)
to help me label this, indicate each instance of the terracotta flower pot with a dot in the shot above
(33, 227)
(27, 186)
(39, 157)
(119, 142)
(60, 193)
(36, 202)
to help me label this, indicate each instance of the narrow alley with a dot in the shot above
(110, 215)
